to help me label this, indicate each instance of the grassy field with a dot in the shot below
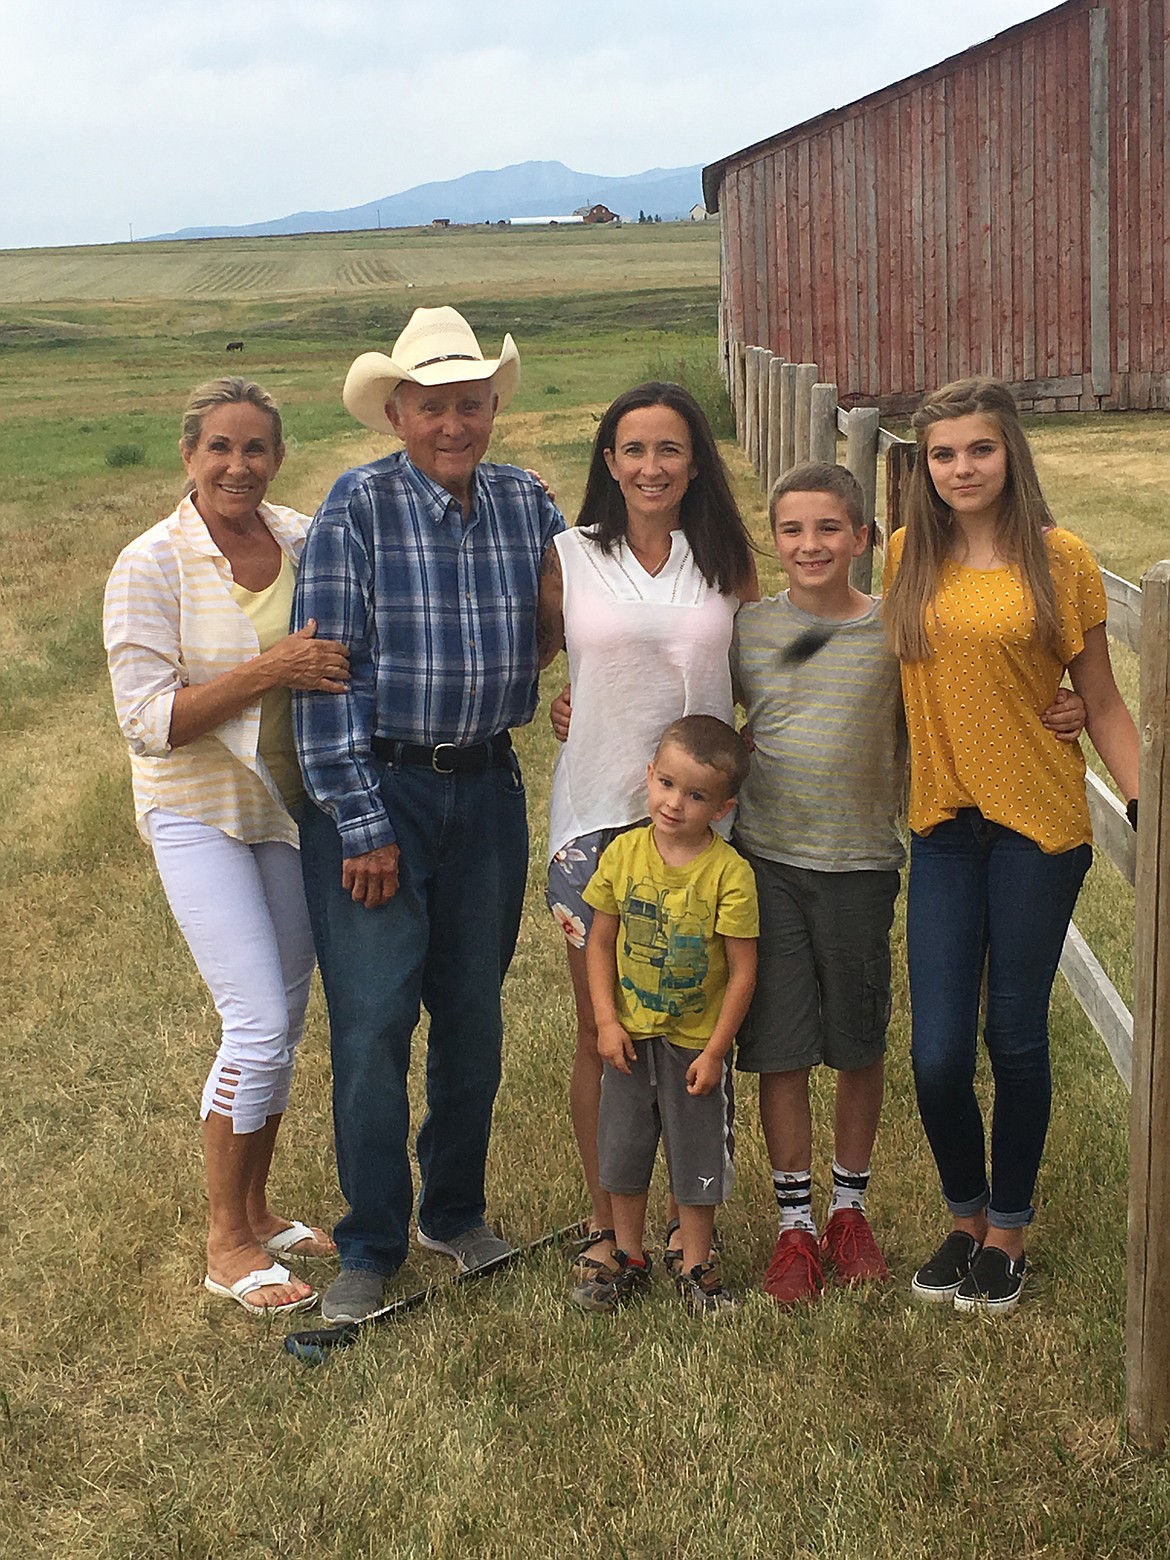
(474, 261)
(140, 1417)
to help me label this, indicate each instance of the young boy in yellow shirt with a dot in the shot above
(671, 962)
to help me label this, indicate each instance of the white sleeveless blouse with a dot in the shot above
(643, 650)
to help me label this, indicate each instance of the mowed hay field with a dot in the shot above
(139, 1416)
(473, 260)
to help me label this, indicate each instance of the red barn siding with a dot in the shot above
(942, 227)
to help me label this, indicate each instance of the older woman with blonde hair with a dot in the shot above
(201, 660)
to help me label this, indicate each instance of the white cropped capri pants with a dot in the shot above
(242, 910)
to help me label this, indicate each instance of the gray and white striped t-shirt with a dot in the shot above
(828, 776)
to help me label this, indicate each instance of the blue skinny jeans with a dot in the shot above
(981, 895)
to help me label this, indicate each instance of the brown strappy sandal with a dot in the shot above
(584, 1266)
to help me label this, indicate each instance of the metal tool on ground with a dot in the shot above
(314, 1347)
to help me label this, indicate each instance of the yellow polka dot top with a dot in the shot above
(973, 707)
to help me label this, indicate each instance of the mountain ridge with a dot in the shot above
(528, 189)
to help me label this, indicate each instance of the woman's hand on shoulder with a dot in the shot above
(560, 713)
(306, 662)
(1065, 716)
(750, 588)
(552, 495)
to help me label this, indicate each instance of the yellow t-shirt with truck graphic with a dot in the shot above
(671, 963)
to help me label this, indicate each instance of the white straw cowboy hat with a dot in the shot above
(438, 347)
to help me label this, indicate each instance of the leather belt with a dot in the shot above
(446, 758)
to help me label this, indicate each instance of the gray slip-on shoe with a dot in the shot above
(477, 1247)
(355, 1295)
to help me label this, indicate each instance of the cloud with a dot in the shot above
(169, 115)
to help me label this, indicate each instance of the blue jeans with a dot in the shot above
(445, 940)
(982, 894)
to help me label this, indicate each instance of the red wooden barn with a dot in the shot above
(1006, 212)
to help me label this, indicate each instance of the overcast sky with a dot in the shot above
(162, 114)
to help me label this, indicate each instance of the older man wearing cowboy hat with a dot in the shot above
(426, 565)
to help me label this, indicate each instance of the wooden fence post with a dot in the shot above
(787, 417)
(1147, 1319)
(738, 378)
(899, 465)
(822, 424)
(775, 395)
(762, 421)
(861, 454)
(751, 411)
(806, 378)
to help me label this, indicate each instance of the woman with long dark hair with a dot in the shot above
(642, 593)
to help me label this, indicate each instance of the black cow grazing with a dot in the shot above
(234, 346)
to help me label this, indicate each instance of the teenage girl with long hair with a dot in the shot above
(987, 604)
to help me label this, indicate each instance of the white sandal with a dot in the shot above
(284, 1240)
(259, 1278)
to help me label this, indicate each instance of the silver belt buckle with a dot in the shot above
(439, 747)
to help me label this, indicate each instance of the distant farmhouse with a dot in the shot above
(587, 214)
(700, 213)
(1004, 212)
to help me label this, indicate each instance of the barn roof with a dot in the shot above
(713, 173)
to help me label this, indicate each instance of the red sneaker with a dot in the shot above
(794, 1273)
(850, 1250)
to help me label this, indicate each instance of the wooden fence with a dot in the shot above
(784, 416)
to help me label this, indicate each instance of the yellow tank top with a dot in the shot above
(269, 612)
(973, 707)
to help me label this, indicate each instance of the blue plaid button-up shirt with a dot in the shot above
(439, 618)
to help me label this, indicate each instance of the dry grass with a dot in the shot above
(138, 1416)
(471, 262)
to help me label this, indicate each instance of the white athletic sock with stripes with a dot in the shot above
(793, 1190)
(849, 1188)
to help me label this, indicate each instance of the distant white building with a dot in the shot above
(700, 213)
(569, 221)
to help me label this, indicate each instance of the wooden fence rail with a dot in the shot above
(784, 417)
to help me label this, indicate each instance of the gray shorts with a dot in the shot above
(568, 873)
(823, 983)
(697, 1129)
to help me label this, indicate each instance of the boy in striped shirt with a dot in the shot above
(818, 821)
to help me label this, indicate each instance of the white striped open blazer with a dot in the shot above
(169, 621)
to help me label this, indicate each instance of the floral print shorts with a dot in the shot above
(569, 871)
